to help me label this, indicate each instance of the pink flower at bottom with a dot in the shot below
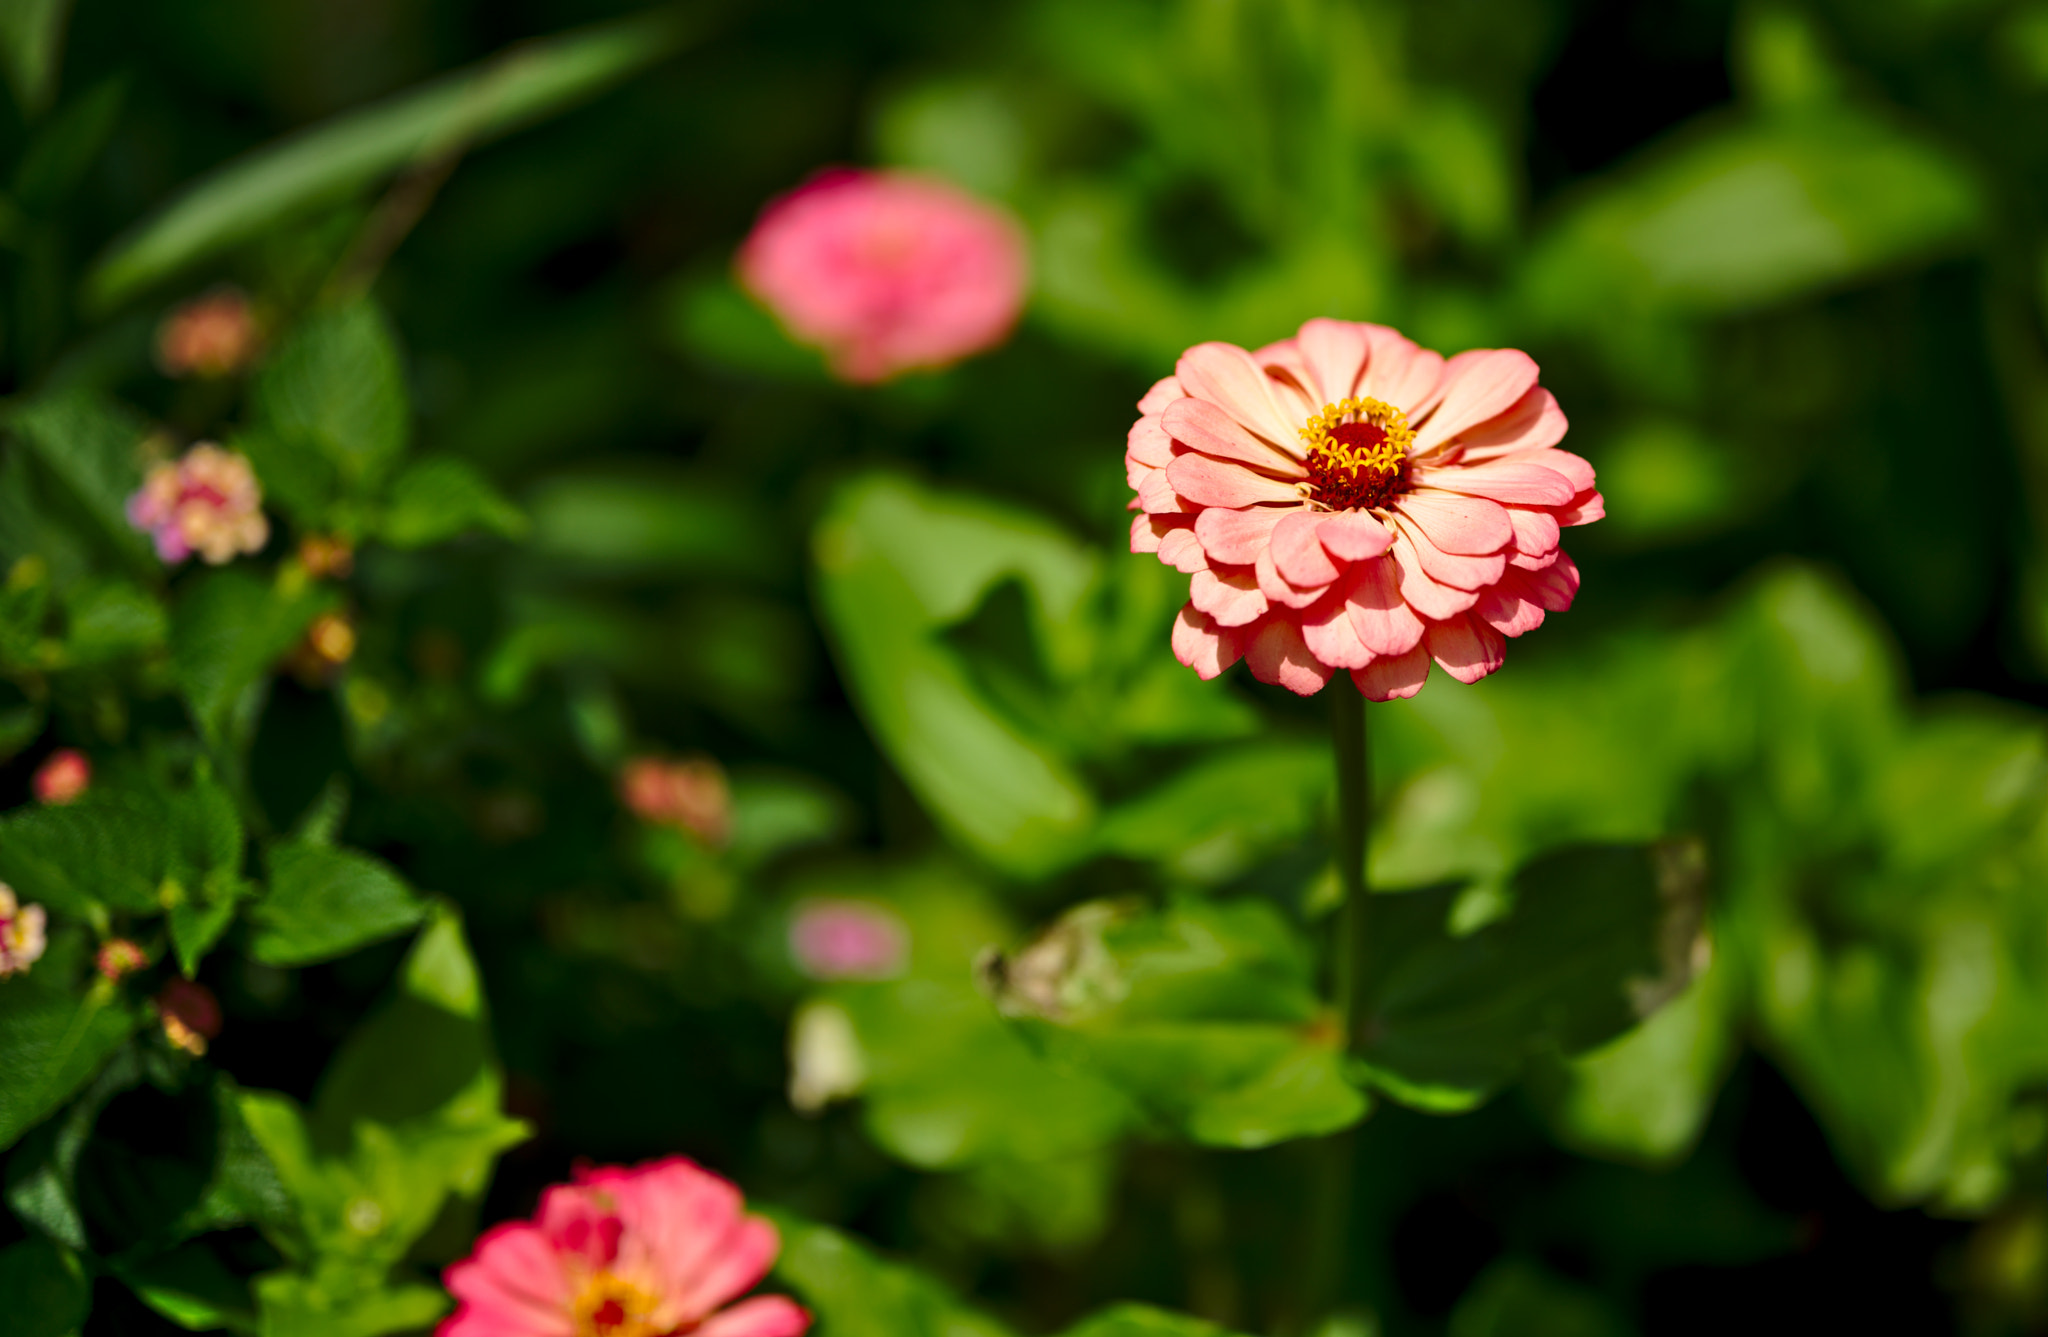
(848, 940)
(1345, 500)
(22, 933)
(650, 1251)
(886, 271)
(208, 502)
(64, 775)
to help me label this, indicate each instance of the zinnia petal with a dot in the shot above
(1237, 537)
(1465, 648)
(1211, 482)
(1393, 677)
(1330, 636)
(1398, 372)
(1202, 645)
(762, 1316)
(1533, 423)
(1524, 484)
(1226, 376)
(1445, 568)
(1231, 596)
(1181, 550)
(1354, 536)
(1200, 425)
(1476, 386)
(1298, 551)
(1381, 617)
(1454, 523)
(1278, 654)
(1333, 353)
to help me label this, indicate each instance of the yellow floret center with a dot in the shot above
(1357, 454)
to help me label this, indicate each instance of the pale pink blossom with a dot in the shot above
(208, 502)
(214, 334)
(654, 1250)
(22, 937)
(64, 775)
(691, 795)
(119, 957)
(1345, 500)
(887, 271)
(848, 940)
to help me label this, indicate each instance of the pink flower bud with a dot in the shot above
(886, 271)
(211, 335)
(848, 940)
(118, 957)
(190, 1015)
(63, 776)
(209, 502)
(691, 795)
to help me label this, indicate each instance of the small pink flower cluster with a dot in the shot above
(655, 1249)
(212, 335)
(848, 940)
(207, 502)
(118, 958)
(190, 1015)
(886, 272)
(63, 777)
(691, 795)
(21, 933)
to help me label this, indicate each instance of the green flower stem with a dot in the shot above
(1354, 802)
(1329, 1219)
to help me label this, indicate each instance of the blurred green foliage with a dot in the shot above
(1719, 914)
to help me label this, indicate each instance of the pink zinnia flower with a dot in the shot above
(212, 335)
(22, 938)
(643, 1252)
(691, 795)
(63, 776)
(208, 502)
(1346, 500)
(886, 271)
(848, 940)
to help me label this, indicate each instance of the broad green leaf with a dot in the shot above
(325, 902)
(1514, 1298)
(228, 629)
(192, 1288)
(1203, 1014)
(335, 389)
(51, 1044)
(441, 498)
(1755, 212)
(651, 521)
(1596, 940)
(854, 1293)
(94, 447)
(48, 1292)
(1211, 820)
(248, 197)
(109, 621)
(32, 47)
(1139, 1320)
(289, 1303)
(896, 565)
(111, 850)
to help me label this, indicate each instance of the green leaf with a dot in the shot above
(249, 197)
(1137, 1320)
(898, 564)
(335, 389)
(1203, 1014)
(226, 632)
(110, 850)
(1596, 940)
(325, 902)
(1212, 820)
(48, 1292)
(32, 47)
(441, 498)
(94, 447)
(192, 1288)
(51, 1044)
(109, 621)
(854, 1293)
(664, 521)
(292, 1304)
(1514, 1298)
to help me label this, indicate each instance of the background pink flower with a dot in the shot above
(22, 937)
(1346, 500)
(848, 940)
(886, 271)
(190, 1014)
(208, 502)
(212, 335)
(648, 1251)
(691, 795)
(64, 775)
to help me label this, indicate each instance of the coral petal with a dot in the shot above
(1202, 645)
(1556, 585)
(1533, 423)
(1392, 677)
(1455, 523)
(1460, 570)
(1354, 536)
(1536, 532)
(1200, 425)
(1584, 510)
(1148, 529)
(1182, 551)
(1333, 354)
(1226, 376)
(1148, 443)
(1465, 648)
(1504, 608)
(762, 1316)
(1231, 595)
(1237, 537)
(1156, 494)
(1385, 624)
(1574, 468)
(1476, 386)
(1399, 373)
(1502, 480)
(1278, 654)
(1298, 553)
(1212, 482)
(514, 1278)
(1276, 587)
(1330, 636)
(1163, 392)
(1427, 596)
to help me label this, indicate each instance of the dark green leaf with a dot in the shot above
(247, 197)
(50, 1045)
(192, 1288)
(95, 448)
(336, 389)
(226, 632)
(111, 850)
(32, 46)
(856, 1294)
(48, 1293)
(1596, 940)
(325, 902)
(441, 498)
(1136, 1320)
